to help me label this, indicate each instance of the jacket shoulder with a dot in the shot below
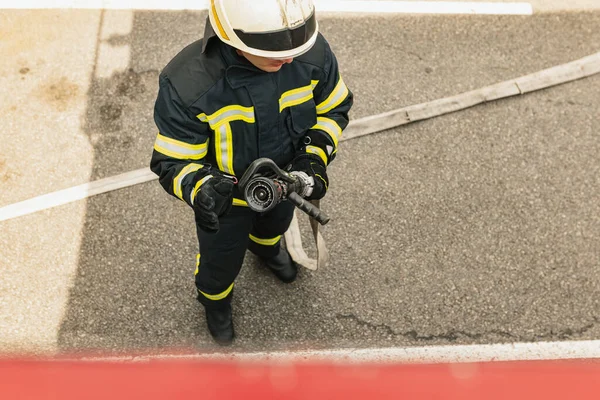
(192, 73)
(318, 55)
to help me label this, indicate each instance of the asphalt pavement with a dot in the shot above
(481, 226)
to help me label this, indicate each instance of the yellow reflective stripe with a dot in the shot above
(197, 263)
(197, 187)
(213, 8)
(324, 181)
(331, 127)
(240, 202)
(178, 149)
(219, 146)
(229, 136)
(314, 84)
(336, 97)
(318, 151)
(266, 242)
(183, 145)
(224, 148)
(177, 190)
(219, 296)
(295, 96)
(228, 114)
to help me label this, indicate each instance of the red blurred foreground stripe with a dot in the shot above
(152, 380)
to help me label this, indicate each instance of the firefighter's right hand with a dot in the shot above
(213, 200)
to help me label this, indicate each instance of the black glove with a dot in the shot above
(313, 166)
(214, 199)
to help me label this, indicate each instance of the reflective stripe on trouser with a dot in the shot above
(222, 253)
(267, 230)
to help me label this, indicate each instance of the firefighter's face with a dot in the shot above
(263, 63)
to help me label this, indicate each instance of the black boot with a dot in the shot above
(282, 266)
(220, 323)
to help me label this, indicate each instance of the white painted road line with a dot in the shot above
(577, 69)
(425, 7)
(75, 193)
(571, 350)
(354, 6)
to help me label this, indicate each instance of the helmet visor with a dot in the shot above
(283, 40)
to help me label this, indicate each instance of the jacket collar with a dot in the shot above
(239, 71)
(209, 35)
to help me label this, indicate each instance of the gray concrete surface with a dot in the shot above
(476, 227)
(477, 232)
(540, 6)
(545, 6)
(45, 73)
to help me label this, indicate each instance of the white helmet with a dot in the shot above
(277, 29)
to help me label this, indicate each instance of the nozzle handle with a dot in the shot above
(308, 208)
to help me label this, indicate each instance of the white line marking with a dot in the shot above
(559, 74)
(356, 6)
(428, 354)
(76, 193)
(425, 7)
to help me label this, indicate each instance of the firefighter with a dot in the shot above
(263, 82)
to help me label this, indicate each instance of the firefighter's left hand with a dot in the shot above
(214, 200)
(312, 165)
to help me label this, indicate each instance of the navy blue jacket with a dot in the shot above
(216, 111)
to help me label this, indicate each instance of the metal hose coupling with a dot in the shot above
(305, 183)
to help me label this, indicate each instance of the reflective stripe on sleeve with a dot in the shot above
(336, 97)
(185, 171)
(318, 151)
(197, 188)
(330, 127)
(178, 149)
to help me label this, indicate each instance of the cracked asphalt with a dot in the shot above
(481, 226)
(456, 335)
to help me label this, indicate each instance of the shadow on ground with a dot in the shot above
(463, 229)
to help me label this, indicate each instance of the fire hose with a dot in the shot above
(264, 185)
(549, 77)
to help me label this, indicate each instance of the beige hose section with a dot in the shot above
(578, 69)
(581, 68)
